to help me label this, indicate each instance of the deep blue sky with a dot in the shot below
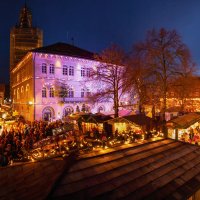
(95, 24)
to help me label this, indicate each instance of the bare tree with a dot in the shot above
(166, 57)
(109, 76)
(137, 77)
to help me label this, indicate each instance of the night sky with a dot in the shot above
(95, 24)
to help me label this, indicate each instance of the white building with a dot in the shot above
(40, 75)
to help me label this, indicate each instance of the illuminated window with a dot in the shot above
(100, 109)
(68, 111)
(71, 71)
(65, 70)
(44, 92)
(82, 93)
(51, 69)
(85, 72)
(70, 93)
(82, 72)
(44, 68)
(88, 72)
(51, 92)
(18, 77)
(22, 89)
(18, 96)
(88, 92)
(27, 90)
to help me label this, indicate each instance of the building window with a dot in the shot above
(18, 96)
(44, 92)
(82, 93)
(51, 69)
(82, 72)
(85, 72)
(68, 111)
(88, 92)
(65, 70)
(17, 77)
(27, 90)
(71, 71)
(70, 93)
(51, 92)
(88, 72)
(44, 68)
(22, 89)
(100, 109)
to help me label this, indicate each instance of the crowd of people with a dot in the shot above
(19, 137)
(192, 136)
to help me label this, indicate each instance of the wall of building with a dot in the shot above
(29, 80)
(47, 80)
(22, 88)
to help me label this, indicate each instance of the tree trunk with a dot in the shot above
(116, 104)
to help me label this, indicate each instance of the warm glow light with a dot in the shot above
(58, 63)
(78, 66)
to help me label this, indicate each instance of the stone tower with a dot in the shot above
(24, 37)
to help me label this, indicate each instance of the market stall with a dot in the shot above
(137, 123)
(95, 121)
(185, 128)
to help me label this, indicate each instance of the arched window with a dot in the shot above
(48, 114)
(67, 111)
(51, 92)
(27, 90)
(100, 109)
(44, 92)
(22, 89)
(18, 95)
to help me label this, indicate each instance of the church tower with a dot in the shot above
(23, 37)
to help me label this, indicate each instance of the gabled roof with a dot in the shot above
(165, 169)
(93, 118)
(98, 118)
(184, 121)
(139, 119)
(65, 49)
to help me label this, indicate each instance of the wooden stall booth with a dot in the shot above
(136, 123)
(185, 127)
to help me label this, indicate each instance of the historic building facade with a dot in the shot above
(42, 77)
(23, 37)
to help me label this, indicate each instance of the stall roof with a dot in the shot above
(92, 118)
(139, 120)
(165, 169)
(98, 118)
(184, 121)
